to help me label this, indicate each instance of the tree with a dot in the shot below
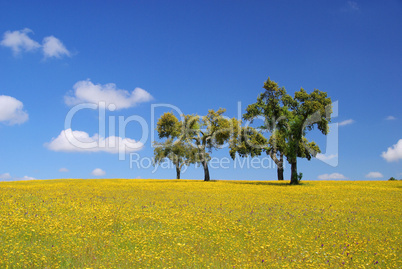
(208, 132)
(248, 142)
(178, 152)
(268, 106)
(282, 114)
(303, 113)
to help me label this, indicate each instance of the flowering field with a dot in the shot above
(194, 224)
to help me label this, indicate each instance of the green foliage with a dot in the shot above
(208, 132)
(177, 151)
(287, 119)
(211, 131)
(299, 176)
(308, 149)
(391, 179)
(168, 126)
(304, 112)
(249, 142)
(195, 137)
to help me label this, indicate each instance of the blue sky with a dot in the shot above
(195, 56)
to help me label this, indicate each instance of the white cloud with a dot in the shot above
(63, 170)
(324, 157)
(53, 47)
(8, 177)
(27, 178)
(79, 141)
(87, 92)
(5, 176)
(19, 40)
(11, 110)
(374, 175)
(346, 122)
(393, 153)
(98, 172)
(331, 176)
(390, 118)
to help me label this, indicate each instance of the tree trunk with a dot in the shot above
(206, 171)
(279, 163)
(280, 167)
(177, 172)
(294, 177)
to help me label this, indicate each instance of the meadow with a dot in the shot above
(194, 224)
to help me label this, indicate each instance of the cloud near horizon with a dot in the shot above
(87, 92)
(11, 110)
(8, 177)
(79, 141)
(98, 172)
(19, 41)
(394, 153)
(374, 175)
(331, 176)
(5, 176)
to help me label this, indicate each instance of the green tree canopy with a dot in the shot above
(287, 120)
(177, 151)
(304, 112)
(207, 133)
